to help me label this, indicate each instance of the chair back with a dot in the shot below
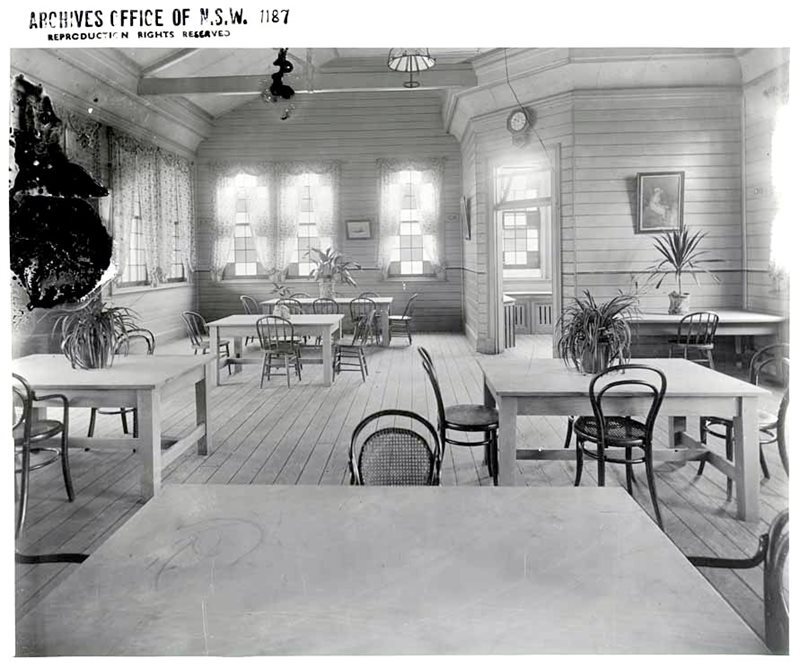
(395, 455)
(408, 312)
(299, 295)
(651, 381)
(274, 332)
(134, 340)
(368, 295)
(361, 307)
(195, 327)
(325, 306)
(776, 605)
(294, 306)
(22, 398)
(430, 370)
(776, 355)
(698, 329)
(250, 305)
(363, 327)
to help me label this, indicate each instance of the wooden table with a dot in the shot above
(140, 381)
(382, 304)
(548, 387)
(238, 327)
(235, 570)
(738, 324)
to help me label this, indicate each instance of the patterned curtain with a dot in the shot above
(184, 184)
(150, 212)
(428, 196)
(325, 192)
(124, 194)
(83, 143)
(224, 206)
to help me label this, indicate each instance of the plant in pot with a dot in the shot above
(592, 334)
(90, 333)
(681, 254)
(331, 267)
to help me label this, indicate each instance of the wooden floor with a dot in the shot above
(301, 437)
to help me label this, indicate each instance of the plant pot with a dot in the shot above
(678, 303)
(327, 289)
(595, 361)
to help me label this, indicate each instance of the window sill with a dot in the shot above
(137, 289)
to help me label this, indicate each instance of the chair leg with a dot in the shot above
(362, 365)
(601, 465)
(92, 420)
(710, 357)
(763, 460)
(782, 449)
(124, 419)
(286, 365)
(408, 333)
(628, 471)
(568, 439)
(729, 457)
(495, 457)
(651, 483)
(704, 441)
(135, 414)
(578, 461)
(264, 370)
(298, 367)
(65, 463)
(23, 488)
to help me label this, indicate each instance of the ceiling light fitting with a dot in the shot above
(411, 61)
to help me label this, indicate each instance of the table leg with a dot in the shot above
(739, 350)
(507, 441)
(149, 442)
(214, 342)
(675, 427)
(386, 333)
(327, 358)
(202, 392)
(237, 353)
(745, 459)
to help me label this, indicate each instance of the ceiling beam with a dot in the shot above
(169, 61)
(342, 80)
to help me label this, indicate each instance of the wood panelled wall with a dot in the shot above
(765, 292)
(356, 129)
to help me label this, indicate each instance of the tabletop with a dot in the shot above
(138, 372)
(725, 317)
(551, 376)
(236, 570)
(241, 319)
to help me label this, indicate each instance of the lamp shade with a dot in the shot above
(411, 61)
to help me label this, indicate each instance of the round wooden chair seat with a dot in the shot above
(471, 415)
(619, 431)
(40, 430)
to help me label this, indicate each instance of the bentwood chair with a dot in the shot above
(611, 433)
(280, 347)
(351, 356)
(771, 426)
(30, 433)
(395, 455)
(695, 337)
(197, 330)
(468, 418)
(141, 339)
(773, 552)
(251, 307)
(403, 323)
(364, 308)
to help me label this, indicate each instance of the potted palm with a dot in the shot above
(90, 333)
(331, 267)
(592, 334)
(680, 253)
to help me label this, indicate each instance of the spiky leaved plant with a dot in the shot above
(680, 252)
(331, 265)
(89, 334)
(593, 334)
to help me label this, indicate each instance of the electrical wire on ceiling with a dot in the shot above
(520, 105)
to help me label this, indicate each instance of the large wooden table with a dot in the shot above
(238, 327)
(548, 387)
(382, 304)
(140, 381)
(235, 570)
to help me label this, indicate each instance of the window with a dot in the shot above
(523, 210)
(413, 252)
(307, 223)
(243, 253)
(177, 271)
(135, 272)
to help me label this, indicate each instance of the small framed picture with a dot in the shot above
(466, 223)
(659, 197)
(359, 229)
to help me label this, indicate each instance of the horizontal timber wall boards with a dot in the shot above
(620, 133)
(762, 99)
(356, 129)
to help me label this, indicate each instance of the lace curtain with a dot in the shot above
(324, 181)
(124, 194)
(258, 213)
(176, 209)
(427, 192)
(83, 143)
(150, 213)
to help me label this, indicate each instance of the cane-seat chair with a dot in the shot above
(611, 434)
(395, 455)
(465, 418)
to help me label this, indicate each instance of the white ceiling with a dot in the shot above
(370, 64)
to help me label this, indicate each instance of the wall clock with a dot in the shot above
(519, 123)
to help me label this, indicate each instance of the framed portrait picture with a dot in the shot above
(359, 229)
(466, 223)
(659, 197)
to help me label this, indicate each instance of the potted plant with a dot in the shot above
(592, 334)
(331, 267)
(90, 333)
(680, 252)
